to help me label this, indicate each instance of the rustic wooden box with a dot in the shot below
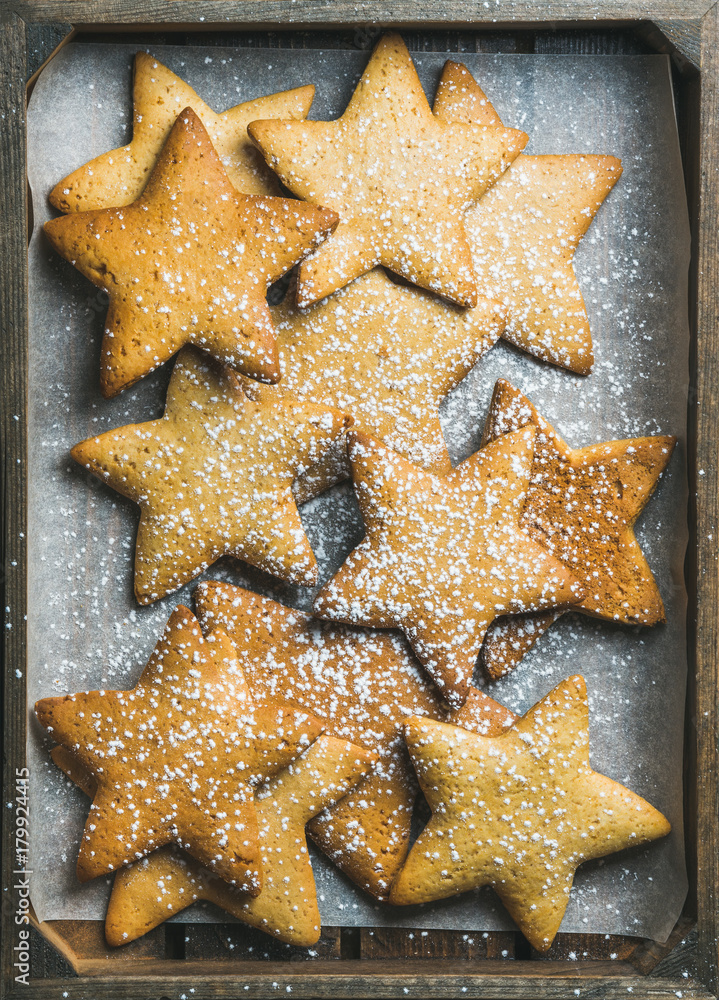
(69, 958)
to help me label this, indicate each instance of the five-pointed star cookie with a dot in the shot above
(387, 355)
(214, 476)
(189, 262)
(581, 506)
(175, 759)
(151, 891)
(364, 686)
(118, 178)
(525, 230)
(443, 557)
(399, 178)
(519, 811)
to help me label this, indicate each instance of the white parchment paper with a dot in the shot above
(85, 630)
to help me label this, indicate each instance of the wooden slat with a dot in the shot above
(707, 510)
(13, 379)
(427, 978)
(397, 942)
(83, 941)
(266, 13)
(681, 39)
(588, 947)
(237, 942)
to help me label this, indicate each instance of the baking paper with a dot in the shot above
(85, 630)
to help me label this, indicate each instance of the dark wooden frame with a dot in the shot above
(690, 32)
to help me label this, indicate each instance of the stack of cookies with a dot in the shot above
(416, 237)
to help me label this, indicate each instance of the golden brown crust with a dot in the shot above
(593, 535)
(214, 476)
(189, 262)
(519, 811)
(151, 751)
(399, 178)
(166, 882)
(363, 685)
(525, 230)
(442, 558)
(388, 355)
(119, 177)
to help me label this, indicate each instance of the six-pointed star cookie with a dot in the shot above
(443, 557)
(519, 811)
(214, 476)
(175, 759)
(363, 685)
(387, 355)
(151, 891)
(581, 506)
(399, 178)
(117, 178)
(525, 230)
(189, 262)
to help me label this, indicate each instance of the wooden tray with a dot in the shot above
(70, 958)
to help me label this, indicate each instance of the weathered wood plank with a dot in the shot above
(46, 962)
(237, 942)
(267, 13)
(387, 979)
(397, 942)
(706, 275)
(615, 42)
(588, 947)
(681, 39)
(13, 379)
(82, 941)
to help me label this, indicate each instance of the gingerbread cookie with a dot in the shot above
(189, 262)
(214, 476)
(399, 178)
(525, 230)
(387, 355)
(443, 557)
(482, 715)
(166, 882)
(363, 685)
(118, 178)
(581, 506)
(519, 811)
(153, 752)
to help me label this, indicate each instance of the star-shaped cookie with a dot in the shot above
(176, 758)
(166, 882)
(581, 506)
(387, 355)
(399, 178)
(189, 262)
(364, 685)
(525, 230)
(214, 475)
(519, 811)
(118, 178)
(442, 558)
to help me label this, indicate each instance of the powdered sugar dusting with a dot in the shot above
(86, 631)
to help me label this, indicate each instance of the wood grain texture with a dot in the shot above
(706, 275)
(267, 13)
(397, 942)
(683, 38)
(382, 979)
(237, 942)
(13, 379)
